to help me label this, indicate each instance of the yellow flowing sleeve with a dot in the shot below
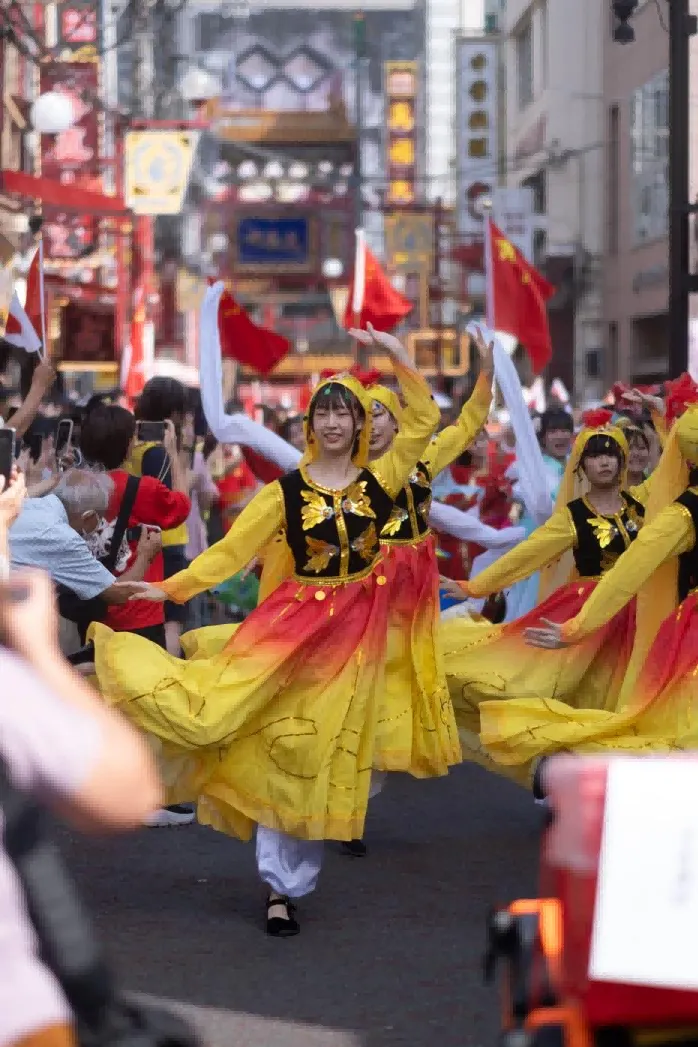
(255, 526)
(641, 492)
(669, 535)
(450, 443)
(419, 420)
(546, 544)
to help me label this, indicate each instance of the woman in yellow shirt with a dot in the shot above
(581, 541)
(280, 728)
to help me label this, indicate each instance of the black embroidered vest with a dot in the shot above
(333, 535)
(408, 522)
(602, 539)
(688, 562)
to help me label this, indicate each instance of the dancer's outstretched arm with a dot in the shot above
(669, 535)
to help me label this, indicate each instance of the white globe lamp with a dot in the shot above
(52, 113)
(332, 268)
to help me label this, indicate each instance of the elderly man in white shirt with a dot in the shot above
(54, 533)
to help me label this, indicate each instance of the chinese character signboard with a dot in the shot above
(72, 157)
(158, 164)
(401, 135)
(477, 140)
(274, 245)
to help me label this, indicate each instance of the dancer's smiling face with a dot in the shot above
(383, 429)
(336, 419)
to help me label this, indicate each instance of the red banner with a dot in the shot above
(72, 158)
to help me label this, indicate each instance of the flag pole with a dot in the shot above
(357, 299)
(489, 282)
(42, 300)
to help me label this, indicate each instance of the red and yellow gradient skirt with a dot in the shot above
(280, 726)
(513, 700)
(416, 729)
(660, 713)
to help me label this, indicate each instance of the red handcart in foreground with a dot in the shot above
(607, 956)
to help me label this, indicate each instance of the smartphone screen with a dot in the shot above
(150, 432)
(64, 434)
(7, 452)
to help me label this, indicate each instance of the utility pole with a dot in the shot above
(360, 51)
(682, 25)
(682, 283)
(143, 109)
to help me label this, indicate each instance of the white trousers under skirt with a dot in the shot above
(291, 866)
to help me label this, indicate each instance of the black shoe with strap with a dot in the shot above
(277, 926)
(354, 848)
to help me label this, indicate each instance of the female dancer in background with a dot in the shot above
(657, 705)
(595, 529)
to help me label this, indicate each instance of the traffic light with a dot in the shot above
(624, 33)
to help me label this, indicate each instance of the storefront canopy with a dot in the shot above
(67, 197)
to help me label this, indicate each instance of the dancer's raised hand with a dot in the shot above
(382, 340)
(485, 351)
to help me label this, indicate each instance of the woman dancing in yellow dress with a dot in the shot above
(657, 708)
(280, 729)
(581, 541)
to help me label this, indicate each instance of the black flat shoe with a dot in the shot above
(354, 848)
(277, 927)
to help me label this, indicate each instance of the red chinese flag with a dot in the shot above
(517, 294)
(244, 341)
(372, 297)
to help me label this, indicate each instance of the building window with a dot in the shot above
(538, 183)
(613, 177)
(524, 64)
(649, 143)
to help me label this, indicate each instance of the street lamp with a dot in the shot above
(52, 113)
(624, 33)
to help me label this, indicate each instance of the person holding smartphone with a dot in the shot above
(164, 400)
(108, 437)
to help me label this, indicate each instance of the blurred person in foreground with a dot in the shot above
(61, 744)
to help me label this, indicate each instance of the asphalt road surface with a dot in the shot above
(390, 950)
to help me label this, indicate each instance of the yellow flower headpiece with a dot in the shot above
(389, 399)
(360, 456)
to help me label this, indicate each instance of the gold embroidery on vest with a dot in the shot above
(357, 502)
(319, 554)
(604, 531)
(395, 522)
(365, 544)
(315, 511)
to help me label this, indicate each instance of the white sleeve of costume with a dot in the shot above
(532, 474)
(232, 428)
(470, 528)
